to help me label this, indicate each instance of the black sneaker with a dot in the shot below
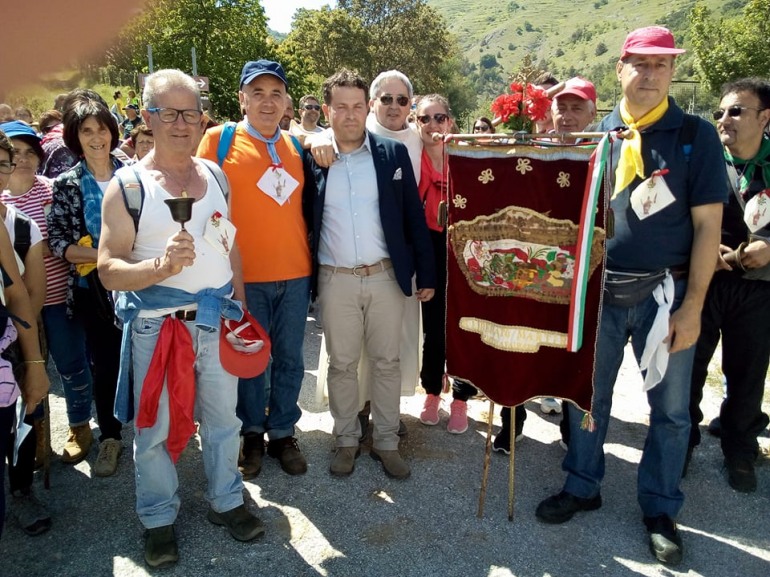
(160, 549)
(665, 542)
(502, 442)
(562, 507)
(240, 522)
(740, 474)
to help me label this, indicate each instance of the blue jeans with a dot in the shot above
(665, 448)
(268, 403)
(67, 344)
(157, 501)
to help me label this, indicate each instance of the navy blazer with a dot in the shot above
(401, 213)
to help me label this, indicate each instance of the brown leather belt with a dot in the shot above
(362, 270)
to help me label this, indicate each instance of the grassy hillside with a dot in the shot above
(567, 37)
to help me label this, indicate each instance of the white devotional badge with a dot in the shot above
(220, 233)
(755, 215)
(652, 195)
(277, 184)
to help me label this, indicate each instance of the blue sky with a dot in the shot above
(280, 12)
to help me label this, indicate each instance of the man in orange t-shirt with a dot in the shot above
(266, 177)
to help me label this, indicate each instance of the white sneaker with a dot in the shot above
(550, 406)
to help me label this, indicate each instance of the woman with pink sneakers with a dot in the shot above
(434, 119)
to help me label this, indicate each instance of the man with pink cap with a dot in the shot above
(574, 108)
(666, 207)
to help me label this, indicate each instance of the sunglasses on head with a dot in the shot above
(387, 99)
(315, 107)
(733, 111)
(439, 118)
(481, 128)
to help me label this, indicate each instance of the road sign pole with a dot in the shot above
(194, 63)
(149, 58)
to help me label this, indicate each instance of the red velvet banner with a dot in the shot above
(513, 217)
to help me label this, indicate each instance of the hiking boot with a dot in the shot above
(42, 449)
(160, 549)
(562, 507)
(392, 463)
(458, 417)
(78, 444)
(401, 428)
(665, 542)
(107, 461)
(286, 450)
(250, 463)
(502, 442)
(344, 461)
(429, 414)
(740, 474)
(30, 512)
(550, 406)
(363, 420)
(242, 524)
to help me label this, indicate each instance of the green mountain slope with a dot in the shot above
(566, 37)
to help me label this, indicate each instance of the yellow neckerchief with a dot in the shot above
(631, 163)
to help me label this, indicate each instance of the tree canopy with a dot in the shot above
(731, 48)
(225, 34)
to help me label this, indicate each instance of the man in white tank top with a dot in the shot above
(176, 285)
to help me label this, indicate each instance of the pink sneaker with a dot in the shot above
(458, 417)
(429, 415)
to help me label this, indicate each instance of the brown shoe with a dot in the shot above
(392, 463)
(286, 450)
(240, 522)
(78, 444)
(250, 463)
(344, 461)
(107, 461)
(41, 447)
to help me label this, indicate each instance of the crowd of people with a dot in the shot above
(127, 275)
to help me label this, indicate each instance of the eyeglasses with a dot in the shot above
(169, 115)
(481, 128)
(733, 111)
(387, 99)
(315, 107)
(7, 167)
(438, 117)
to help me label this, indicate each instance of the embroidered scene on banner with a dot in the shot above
(524, 269)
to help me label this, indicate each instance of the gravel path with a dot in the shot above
(368, 525)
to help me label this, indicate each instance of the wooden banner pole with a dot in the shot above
(487, 455)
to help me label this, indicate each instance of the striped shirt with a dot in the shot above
(35, 203)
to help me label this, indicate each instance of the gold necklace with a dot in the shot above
(183, 189)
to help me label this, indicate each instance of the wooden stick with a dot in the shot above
(511, 462)
(487, 455)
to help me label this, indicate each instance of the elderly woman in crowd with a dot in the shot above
(142, 141)
(74, 227)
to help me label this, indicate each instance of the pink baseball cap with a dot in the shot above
(650, 40)
(579, 87)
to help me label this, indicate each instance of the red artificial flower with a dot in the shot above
(507, 105)
(536, 103)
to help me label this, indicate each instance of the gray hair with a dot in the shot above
(374, 89)
(164, 80)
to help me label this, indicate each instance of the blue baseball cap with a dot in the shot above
(255, 68)
(16, 128)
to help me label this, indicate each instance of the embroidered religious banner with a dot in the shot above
(524, 269)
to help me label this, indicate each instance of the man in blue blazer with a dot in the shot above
(368, 238)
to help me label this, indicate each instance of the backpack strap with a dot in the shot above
(687, 134)
(22, 230)
(219, 175)
(133, 192)
(225, 141)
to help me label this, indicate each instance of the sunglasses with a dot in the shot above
(481, 128)
(439, 118)
(315, 107)
(387, 99)
(733, 111)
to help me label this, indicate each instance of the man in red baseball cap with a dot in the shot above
(668, 188)
(574, 108)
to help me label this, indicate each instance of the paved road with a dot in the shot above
(369, 525)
